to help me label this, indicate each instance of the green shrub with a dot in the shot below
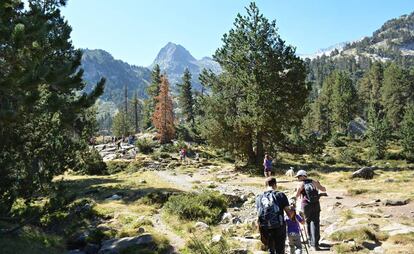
(329, 160)
(207, 206)
(145, 145)
(349, 156)
(116, 166)
(168, 148)
(135, 166)
(335, 140)
(198, 246)
(156, 198)
(90, 162)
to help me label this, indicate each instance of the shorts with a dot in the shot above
(268, 170)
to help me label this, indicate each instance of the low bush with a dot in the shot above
(116, 166)
(198, 246)
(207, 206)
(349, 156)
(90, 162)
(145, 145)
(335, 140)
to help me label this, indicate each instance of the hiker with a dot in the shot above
(267, 164)
(183, 154)
(308, 190)
(272, 227)
(197, 156)
(293, 231)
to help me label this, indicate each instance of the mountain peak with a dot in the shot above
(171, 53)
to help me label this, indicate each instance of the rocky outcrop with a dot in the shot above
(116, 246)
(365, 173)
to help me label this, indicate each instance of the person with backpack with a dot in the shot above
(308, 190)
(267, 164)
(271, 206)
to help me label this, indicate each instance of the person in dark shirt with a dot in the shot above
(272, 227)
(308, 190)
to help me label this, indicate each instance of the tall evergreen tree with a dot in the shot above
(153, 91)
(377, 133)
(185, 98)
(407, 133)
(163, 117)
(395, 94)
(369, 88)
(260, 93)
(44, 119)
(137, 111)
(122, 124)
(343, 104)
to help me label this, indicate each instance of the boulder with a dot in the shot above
(114, 197)
(396, 202)
(379, 250)
(77, 241)
(365, 173)
(116, 246)
(216, 238)
(397, 229)
(227, 217)
(201, 226)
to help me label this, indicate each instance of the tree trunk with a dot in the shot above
(250, 151)
(259, 149)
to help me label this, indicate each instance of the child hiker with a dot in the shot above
(293, 231)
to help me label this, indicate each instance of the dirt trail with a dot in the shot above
(176, 241)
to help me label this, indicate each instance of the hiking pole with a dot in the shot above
(303, 240)
(306, 234)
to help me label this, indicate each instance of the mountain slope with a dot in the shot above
(99, 63)
(174, 58)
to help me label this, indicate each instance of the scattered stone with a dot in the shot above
(379, 250)
(233, 200)
(236, 220)
(339, 197)
(116, 246)
(396, 202)
(337, 204)
(396, 229)
(377, 200)
(91, 248)
(141, 230)
(114, 197)
(202, 226)
(227, 217)
(356, 221)
(387, 216)
(365, 173)
(343, 230)
(142, 181)
(236, 209)
(389, 180)
(216, 238)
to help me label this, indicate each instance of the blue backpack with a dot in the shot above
(270, 214)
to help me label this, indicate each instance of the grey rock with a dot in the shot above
(216, 238)
(114, 197)
(141, 230)
(365, 173)
(116, 246)
(396, 229)
(396, 202)
(379, 250)
(202, 226)
(227, 217)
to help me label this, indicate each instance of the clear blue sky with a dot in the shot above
(135, 30)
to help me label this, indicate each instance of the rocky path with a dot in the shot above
(176, 241)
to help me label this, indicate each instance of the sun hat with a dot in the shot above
(301, 173)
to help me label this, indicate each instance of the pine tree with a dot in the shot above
(137, 111)
(122, 125)
(369, 88)
(395, 92)
(407, 133)
(343, 104)
(153, 90)
(377, 133)
(261, 92)
(44, 116)
(186, 101)
(163, 117)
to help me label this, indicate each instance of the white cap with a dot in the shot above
(301, 173)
